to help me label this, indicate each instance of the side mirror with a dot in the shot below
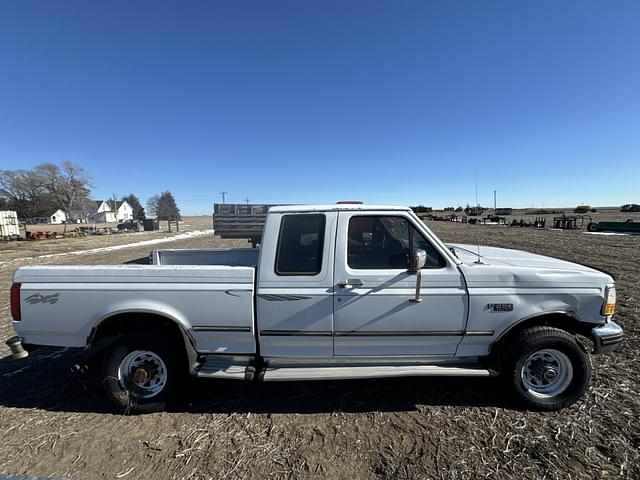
(418, 261)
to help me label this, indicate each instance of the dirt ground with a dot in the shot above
(53, 423)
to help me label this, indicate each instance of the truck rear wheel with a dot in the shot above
(141, 373)
(546, 368)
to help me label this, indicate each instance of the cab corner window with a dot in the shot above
(300, 244)
(386, 242)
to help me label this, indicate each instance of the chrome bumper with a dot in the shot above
(607, 337)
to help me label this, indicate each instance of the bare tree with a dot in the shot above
(47, 186)
(68, 184)
(85, 209)
(152, 205)
(23, 190)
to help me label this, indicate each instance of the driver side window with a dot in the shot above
(386, 242)
(378, 242)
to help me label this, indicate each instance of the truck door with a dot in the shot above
(295, 285)
(374, 314)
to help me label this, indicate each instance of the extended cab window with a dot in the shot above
(379, 242)
(300, 244)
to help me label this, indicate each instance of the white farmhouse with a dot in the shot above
(45, 216)
(103, 211)
(93, 211)
(123, 210)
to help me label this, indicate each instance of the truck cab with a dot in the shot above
(337, 282)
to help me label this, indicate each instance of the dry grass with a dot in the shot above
(54, 423)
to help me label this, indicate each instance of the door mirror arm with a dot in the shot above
(417, 263)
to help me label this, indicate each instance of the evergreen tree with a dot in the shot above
(164, 207)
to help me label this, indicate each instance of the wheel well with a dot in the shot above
(122, 323)
(563, 321)
(109, 329)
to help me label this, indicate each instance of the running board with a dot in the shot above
(231, 368)
(283, 374)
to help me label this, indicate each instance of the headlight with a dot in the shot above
(609, 306)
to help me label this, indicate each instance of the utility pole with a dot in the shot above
(224, 197)
(246, 199)
(115, 206)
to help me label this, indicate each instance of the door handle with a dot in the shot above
(351, 283)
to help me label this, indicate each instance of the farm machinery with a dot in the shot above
(620, 227)
(570, 222)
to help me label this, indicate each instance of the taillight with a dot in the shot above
(15, 301)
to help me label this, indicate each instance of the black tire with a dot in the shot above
(592, 227)
(534, 354)
(123, 390)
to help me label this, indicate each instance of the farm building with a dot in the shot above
(46, 216)
(123, 210)
(103, 211)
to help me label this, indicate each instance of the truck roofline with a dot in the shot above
(335, 207)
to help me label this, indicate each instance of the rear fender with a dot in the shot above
(97, 342)
(144, 307)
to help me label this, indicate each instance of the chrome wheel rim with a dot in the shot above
(143, 373)
(546, 373)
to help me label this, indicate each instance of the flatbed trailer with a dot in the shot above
(240, 221)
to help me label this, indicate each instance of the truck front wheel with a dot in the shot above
(546, 368)
(141, 373)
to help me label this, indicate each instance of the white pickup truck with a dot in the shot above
(334, 292)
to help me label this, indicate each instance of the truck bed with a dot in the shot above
(237, 257)
(213, 304)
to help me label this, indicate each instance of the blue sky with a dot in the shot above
(307, 101)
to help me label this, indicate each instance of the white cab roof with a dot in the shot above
(335, 207)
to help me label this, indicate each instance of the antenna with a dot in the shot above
(224, 197)
(246, 199)
(477, 222)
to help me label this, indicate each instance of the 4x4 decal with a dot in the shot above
(39, 298)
